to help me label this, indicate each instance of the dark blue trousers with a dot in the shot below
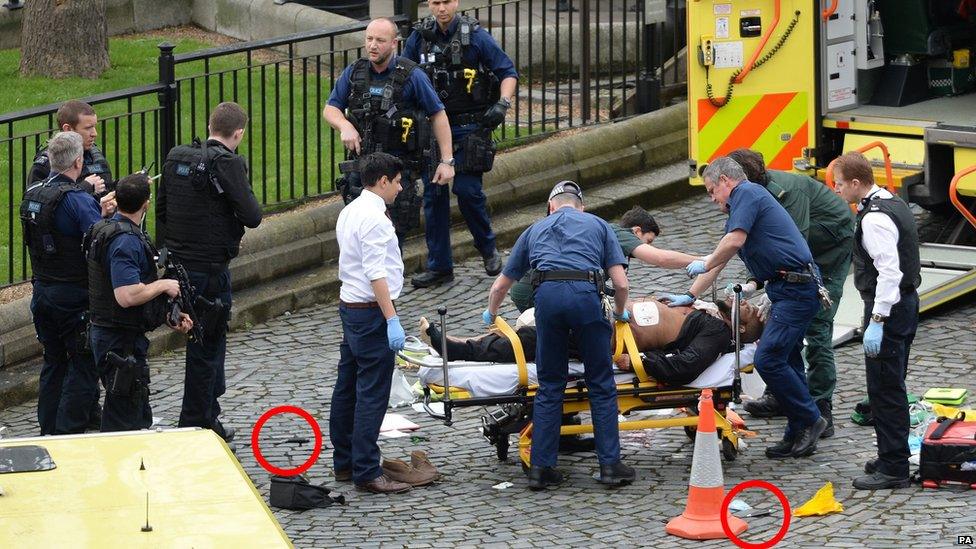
(123, 413)
(886, 384)
(471, 201)
(203, 382)
(561, 307)
(779, 358)
(361, 394)
(68, 388)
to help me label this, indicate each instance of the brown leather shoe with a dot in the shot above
(384, 485)
(400, 471)
(342, 476)
(419, 461)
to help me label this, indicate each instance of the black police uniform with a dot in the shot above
(93, 163)
(54, 214)
(119, 254)
(886, 372)
(204, 202)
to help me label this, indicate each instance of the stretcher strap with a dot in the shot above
(508, 332)
(625, 341)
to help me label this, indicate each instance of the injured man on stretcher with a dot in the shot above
(678, 343)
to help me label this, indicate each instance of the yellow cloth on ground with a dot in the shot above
(822, 503)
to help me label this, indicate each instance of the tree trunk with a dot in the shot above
(62, 38)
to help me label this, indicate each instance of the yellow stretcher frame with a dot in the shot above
(644, 393)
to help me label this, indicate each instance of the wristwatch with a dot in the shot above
(878, 318)
(449, 162)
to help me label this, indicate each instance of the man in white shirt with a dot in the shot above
(371, 272)
(887, 273)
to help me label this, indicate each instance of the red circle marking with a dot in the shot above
(755, 483)
(255, 447)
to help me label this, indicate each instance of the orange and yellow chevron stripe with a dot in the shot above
(774, 124)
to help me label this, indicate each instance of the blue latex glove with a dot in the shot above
(622, 318)
(394, 333)
(872, 338)
(696, 268)
(488, 318)
(677, 300)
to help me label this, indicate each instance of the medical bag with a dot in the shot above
(949, 452)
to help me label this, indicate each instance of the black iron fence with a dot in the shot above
(575, 68)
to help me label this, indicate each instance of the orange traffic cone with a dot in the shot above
(706, 490)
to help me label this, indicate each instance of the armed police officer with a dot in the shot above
(569, 251)
(476, 80)
(205, 202)
(55, 214)
(79, 117)
(887, 272)
(390, 107)
(127, 300)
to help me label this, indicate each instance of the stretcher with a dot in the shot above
(511, 389)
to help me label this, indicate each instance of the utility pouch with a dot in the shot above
(349, 186)
(154, 313)
(478, 152)
(405, 211)
(124, 372)
(213, 316)
(298, 494)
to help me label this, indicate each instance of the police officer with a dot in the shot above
(887, 273)
(476, 81)
(826, 223)
(635, 232)
(55, 214)
(79, 117)
(205, 201)
(771, 246)
(569, 249)
(390, 106)
(371, 272)
(127, 300)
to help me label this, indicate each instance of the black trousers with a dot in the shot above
(702, 339)
(130, 412)
(203, 382)
(886, 384)
(496, 348)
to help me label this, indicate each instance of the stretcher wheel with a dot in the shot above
(729, 450)
(501, 448)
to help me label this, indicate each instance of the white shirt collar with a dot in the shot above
(373, 199)
(875, 189)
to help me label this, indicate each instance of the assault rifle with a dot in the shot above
(204, 313)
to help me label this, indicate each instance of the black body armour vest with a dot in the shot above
(865, 275)
(385, 121)
(93, 163)
(55, 257)
(201, 227)
(464, 87)
(105, 310)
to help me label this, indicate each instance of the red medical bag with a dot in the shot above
(949, 453)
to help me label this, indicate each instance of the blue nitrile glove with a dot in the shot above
(625, 317)
(488, 318)
(678, 300)
(394, 333)
(872, 338)
(696, 268)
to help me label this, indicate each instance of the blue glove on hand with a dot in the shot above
(696, 268)
(488, 318)
(394, 333)
(872, 338)
(625, 317)
(677, 300)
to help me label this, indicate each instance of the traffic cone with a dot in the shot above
(706, 490)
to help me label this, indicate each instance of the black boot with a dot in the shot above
(617, 474)
(826, 412)
(541, 477)
(880, 481)
(806, 440)
(427, 279)
(765, 406)
(781, 450)
(870, 466)
(493, 263)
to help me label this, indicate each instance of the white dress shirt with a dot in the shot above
(880, 240)
(368, 249)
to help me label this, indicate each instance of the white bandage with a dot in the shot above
(646, 313)
(527, 318)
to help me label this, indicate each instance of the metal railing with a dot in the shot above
(575, 69)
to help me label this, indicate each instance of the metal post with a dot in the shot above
(167, 115)
(737, 381)
(447, 383)
(584, 66)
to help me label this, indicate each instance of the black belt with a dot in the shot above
(200, 267)
(794, 277)
(596, 277)
(360, 305)
(465, 118)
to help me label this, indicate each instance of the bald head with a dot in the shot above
(383, 25)
(382, 36)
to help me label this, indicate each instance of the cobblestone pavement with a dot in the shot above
(291, 360)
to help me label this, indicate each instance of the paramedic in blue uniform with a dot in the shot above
(476, 81)
(371, 273)
(762, 233)
(887, 272)
(56, 212)
(570, 250)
